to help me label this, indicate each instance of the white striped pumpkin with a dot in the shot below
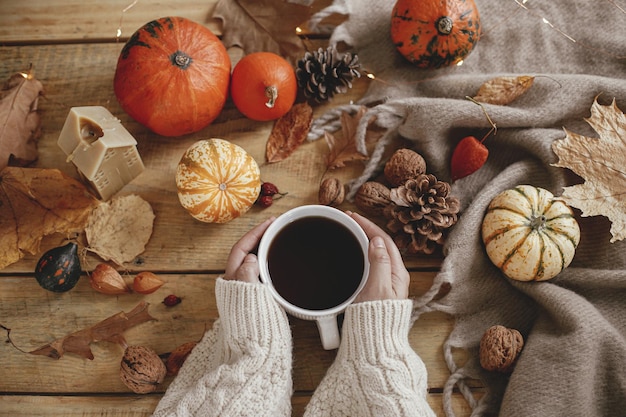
(217, 181)
(529, 234)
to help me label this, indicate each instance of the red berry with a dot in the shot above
(171, 300)
(265, 201)
(268, 189)
(469, 155)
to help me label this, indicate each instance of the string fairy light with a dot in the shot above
(118, 32)
(523, 6)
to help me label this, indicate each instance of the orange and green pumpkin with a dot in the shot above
(172, 76)
(59, 269)
(435, 33)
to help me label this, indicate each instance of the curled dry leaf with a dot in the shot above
(120, 229)
(289, 132)
(35, 203)
(503, 90)
(253, 25)
(602, 163)
(178, 356)
(343, 148)
(19, 120)
(111, 330)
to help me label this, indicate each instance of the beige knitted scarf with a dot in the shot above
(574, 359)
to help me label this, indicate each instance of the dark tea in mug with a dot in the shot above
(315, 263)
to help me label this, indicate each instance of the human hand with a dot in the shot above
(242, 265)
(388, 277)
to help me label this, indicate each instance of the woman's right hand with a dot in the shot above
(388, 277)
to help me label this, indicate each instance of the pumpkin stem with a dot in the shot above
(538, 222)
(271, 93)
(180, 59)
(444, 25)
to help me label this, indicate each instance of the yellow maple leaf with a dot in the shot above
(601, 162)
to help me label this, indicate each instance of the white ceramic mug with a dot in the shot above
(327, 318)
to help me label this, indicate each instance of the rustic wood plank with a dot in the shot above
(38, 317)
(143, 406)
(76, 20)
(80, 75)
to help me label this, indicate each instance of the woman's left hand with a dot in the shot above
(242, 265)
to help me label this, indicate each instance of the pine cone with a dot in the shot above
(420, 212)
(322, 74)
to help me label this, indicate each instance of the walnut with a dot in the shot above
(499, 348)
(372, 197)
(331, 192)
(403, 165)
(141, 369)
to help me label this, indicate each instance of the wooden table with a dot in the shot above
(73, 48)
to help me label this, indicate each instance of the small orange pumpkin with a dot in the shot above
(435, 33)
(263, 86)
(217, 181)
(172, 76)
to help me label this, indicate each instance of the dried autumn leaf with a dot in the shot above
(263, 25)
(120, 229)
(35, 203)
(503, 90)
(289, 132)
(111, 330)
(602, 163)
(343, 148)
(19, 120)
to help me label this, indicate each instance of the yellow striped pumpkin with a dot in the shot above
(217, 181)
(529, 234)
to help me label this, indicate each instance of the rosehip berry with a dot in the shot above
(171, 300)
(265, 201)
(268, 189)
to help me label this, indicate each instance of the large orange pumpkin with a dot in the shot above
(435, 33)
(172, 76)
(217, 180)
(263, 86)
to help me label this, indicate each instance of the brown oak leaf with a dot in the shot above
(289, 132)
(343, 148)
(110, 329)
(503, 90)
(602, 163)
(263, 25)
(20, 124)
(37, 202)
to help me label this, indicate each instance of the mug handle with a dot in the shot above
(329, 331)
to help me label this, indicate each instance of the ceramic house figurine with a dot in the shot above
(101, 148)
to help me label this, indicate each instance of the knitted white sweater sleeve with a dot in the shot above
(376, 372)
(242, 366)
